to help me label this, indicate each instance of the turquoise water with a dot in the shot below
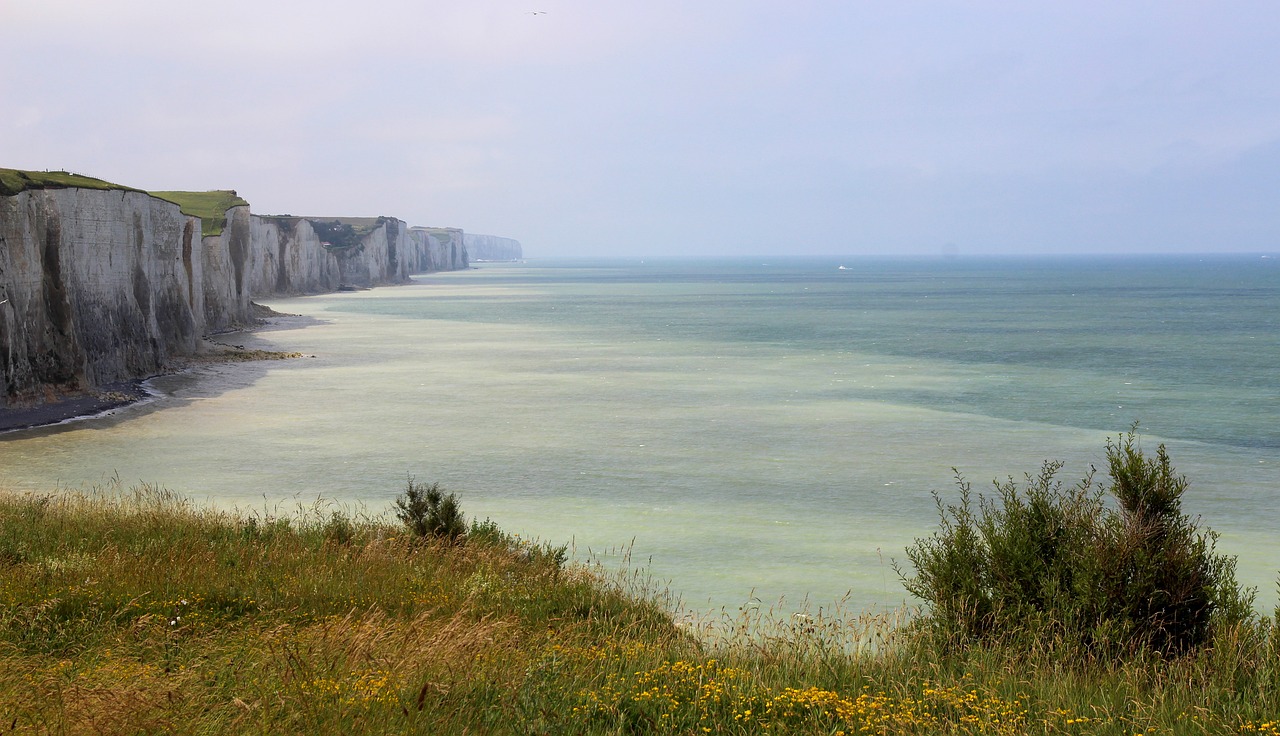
(750, 430)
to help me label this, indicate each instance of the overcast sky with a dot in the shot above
(621, 127)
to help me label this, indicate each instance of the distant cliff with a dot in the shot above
(492, 248)
(102, 283)
(442, 248)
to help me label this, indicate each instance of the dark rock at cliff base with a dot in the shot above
(261, 312)
(75, 406)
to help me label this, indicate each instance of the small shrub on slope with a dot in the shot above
(429, 512)
(1054, 564)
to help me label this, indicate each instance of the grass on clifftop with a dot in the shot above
(211, 207)
(14, 181)
(443, 234)
(138, 612)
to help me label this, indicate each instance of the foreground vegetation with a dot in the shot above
(137, 612)
(1107, 571)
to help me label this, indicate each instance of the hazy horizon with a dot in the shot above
(941, 255)
(664, 128)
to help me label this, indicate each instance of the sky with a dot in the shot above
(679, 127)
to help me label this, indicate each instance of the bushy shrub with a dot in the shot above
(429, 512)
(488, 533)
(338, 529)
(1049, 562)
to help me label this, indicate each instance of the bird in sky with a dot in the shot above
(537, 12)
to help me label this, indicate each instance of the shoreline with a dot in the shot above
(89, 404)
(106, 400)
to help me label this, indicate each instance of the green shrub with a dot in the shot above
(429, 512)
(338, 529)
(1168, 583)
(336, 234)
(1042, 562)
(487, 533)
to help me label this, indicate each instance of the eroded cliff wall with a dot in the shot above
(289, 259)
(99, 286)
(440, 248)
(313, 255)
(492, 248)
(227, 259)
(101, 283)
(380, 256)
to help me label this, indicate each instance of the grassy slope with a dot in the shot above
(211, 207)
(139, 613)
(444, 234)
(13, 181)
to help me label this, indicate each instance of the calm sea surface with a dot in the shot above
(752, 430)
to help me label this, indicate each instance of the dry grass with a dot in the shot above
(135, 612)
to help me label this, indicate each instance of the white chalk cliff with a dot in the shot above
(492, 248)
(101, 285)
(104, 285)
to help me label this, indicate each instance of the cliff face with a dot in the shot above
(439, 249)
(300, 255)
(381, 255)
(288, 258)
(492, 248)
(101, 283)
(227, 259)
(259, 257)
(101, 286)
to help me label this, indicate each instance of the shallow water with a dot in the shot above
(750, 430)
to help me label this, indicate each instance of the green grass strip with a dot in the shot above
(211, 207)
(15, 181)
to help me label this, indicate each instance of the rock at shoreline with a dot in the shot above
(56, 409)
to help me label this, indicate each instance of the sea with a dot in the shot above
(752, 432)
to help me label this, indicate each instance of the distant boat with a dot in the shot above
(843, 268)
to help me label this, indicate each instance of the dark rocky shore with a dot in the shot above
(75, 406)
(59, 409)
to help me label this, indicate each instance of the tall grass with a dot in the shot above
(138, 612)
